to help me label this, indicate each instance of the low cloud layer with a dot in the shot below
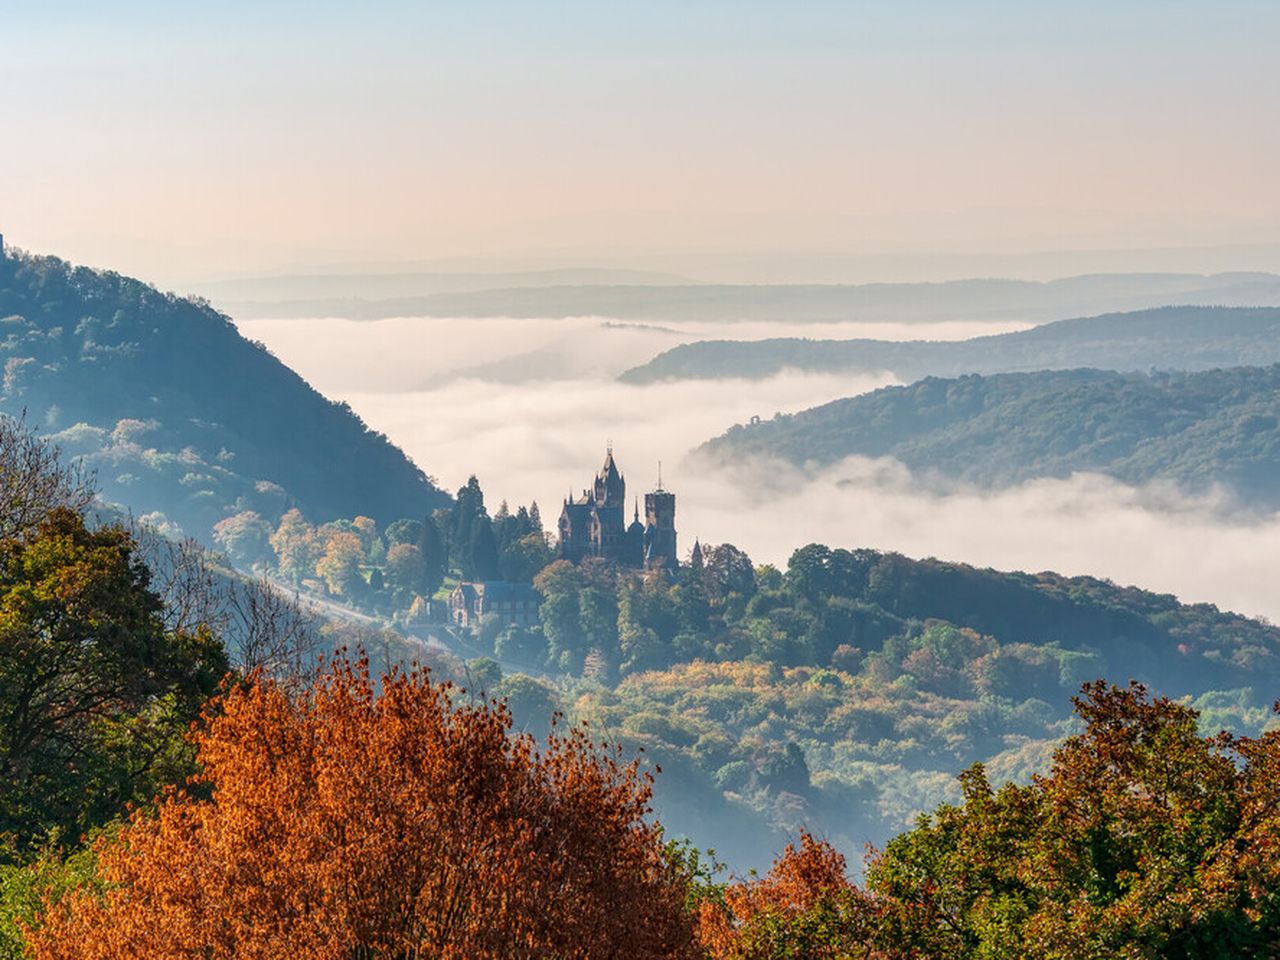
(406, 353)
(543, 439)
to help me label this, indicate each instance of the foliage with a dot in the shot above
(1144, 840)
(1199, 430)
(178, 413)
(27, 889)
(354, 823)
(95, 693)
(246, 538)
(1166, 338)
(804, 908)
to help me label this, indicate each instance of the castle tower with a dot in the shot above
(660, 528)
(610, 488)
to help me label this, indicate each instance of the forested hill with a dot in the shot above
(1175, 338)
(178, 413)
(1197, 429)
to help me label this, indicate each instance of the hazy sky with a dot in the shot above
(191, 140)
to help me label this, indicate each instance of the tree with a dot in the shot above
(482, 558)
(522, 559)
(34, 480)
(406, 570)
(382, 820)
(435, 553)
(1145, 840)
(296, 547)
(805, 907)
(404, 531)
(727, 570)
(340, 565)
(468, 513)
(95, 693)
(245, 536)
(367, 530)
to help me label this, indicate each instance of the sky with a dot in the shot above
(728, 140)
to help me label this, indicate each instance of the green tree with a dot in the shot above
(403, 531)
(95, 693)
(521, 560)
(435, 554)
(1145, 840)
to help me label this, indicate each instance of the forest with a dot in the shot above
(181, 418)
(161, 797)
(1204, 431)
(843, 691)
(1161, 338)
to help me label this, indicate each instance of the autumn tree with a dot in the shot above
(362, 821)
(339, 566)
(296, 546)
(805, 907)
(406, 570)
(366, 529)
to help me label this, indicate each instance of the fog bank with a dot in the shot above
(543, 439)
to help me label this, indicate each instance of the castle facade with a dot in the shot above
(594, 524)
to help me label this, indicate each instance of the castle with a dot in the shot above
(594, 524)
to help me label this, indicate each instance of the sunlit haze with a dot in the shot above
(745, 141)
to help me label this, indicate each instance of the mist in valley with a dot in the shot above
(450, 392)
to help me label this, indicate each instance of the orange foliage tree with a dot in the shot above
(356, 822)
(805, 907)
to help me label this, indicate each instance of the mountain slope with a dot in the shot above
(1182, 338)
(180, 414)
(1197, 429)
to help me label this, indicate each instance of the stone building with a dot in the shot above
(510, 602)
(594, 524)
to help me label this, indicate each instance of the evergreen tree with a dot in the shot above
(483, 555)
(435, 553)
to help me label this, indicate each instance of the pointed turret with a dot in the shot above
(610, 487)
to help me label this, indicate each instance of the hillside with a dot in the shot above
(1195, 429)
(1179, 338)
(847, 690)
(178, 413)
(648, 298)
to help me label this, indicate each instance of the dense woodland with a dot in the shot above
(844, 691)
(181, 417)
(1200, 431)
(159, 799)
(1165, 338)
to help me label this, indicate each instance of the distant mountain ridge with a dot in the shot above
(653, 300)
(178, 413)
(1195, 429)
(1177, 338)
